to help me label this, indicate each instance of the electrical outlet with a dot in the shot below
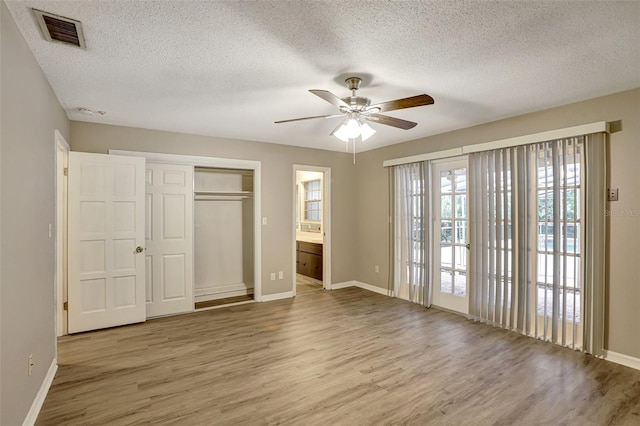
(280, 275)
(377, 269)
(264, 220)
(612, 194)
(30, 363)
(273, 276)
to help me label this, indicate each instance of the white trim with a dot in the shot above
(36, 406)
(345, 284)
(622, 359)
(190, 160)
(364, 286)
(423, 157)
(60, 286)
(326, 222)
(277, 296)
(228, 163)
(585, 129)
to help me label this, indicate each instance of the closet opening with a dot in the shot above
(312, 224)
(223, 236)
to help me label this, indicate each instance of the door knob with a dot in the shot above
(139, 249)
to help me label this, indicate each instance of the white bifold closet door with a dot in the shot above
(169, 239)
(105, 241)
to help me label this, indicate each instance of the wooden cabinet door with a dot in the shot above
(304, 263)
(315, 268)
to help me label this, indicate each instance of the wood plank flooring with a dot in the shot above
(306, 284)
(342, 357)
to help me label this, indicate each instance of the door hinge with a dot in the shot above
(65, 306)
(66, 171)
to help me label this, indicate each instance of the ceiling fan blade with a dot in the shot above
(391, 121)
(309, 118)
(331, 98)
(413, 101)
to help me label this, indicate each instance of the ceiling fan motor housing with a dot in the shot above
(357, 103)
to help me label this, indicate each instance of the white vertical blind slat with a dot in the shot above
(536, 263)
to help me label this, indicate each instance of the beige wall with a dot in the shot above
(623, 282)
(277, 188)
(30, 113)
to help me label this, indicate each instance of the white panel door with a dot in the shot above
(169, 239)
(106, 241)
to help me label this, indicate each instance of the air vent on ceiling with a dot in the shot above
(60, 29)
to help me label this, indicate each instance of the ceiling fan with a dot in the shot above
(357, 110)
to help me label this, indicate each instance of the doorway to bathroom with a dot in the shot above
(312, 225)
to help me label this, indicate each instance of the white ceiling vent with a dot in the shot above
(60, 29)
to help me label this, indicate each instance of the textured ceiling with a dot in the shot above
(231, 68)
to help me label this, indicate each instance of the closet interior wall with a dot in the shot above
(223, 233)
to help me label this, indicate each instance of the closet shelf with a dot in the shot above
(238, 193)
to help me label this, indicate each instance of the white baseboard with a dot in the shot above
(365, 286)
(338, 286)
(622, 359)
(277, 296)
(32, 415)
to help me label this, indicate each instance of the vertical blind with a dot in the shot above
(537, 237)
(410, 233)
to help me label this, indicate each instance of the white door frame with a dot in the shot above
(326, 223)
(458, 304)
(226, 163)
(62, 161)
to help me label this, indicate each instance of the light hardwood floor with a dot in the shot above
(306, 284)
(342, 357)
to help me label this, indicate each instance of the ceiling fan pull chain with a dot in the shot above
(353, 141)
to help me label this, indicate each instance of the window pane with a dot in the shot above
(460, 284)
(461, 180)
(460, 257)
(446, 256)
(446, 234)
(445, 207)
(446, 281)
(445, 182)
(460, 232)
(461, 206)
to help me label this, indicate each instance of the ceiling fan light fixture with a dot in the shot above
(341, 133)
(353, 128)
(366, 131)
